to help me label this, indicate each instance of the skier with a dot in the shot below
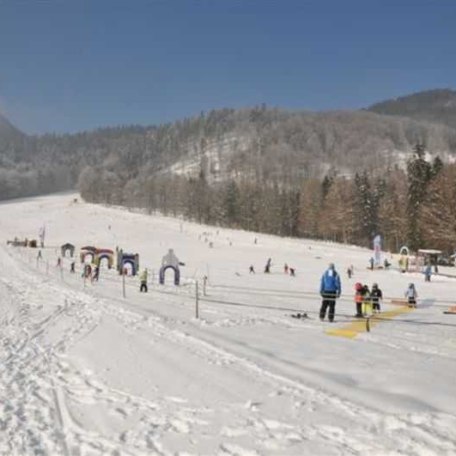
(349, 272)
(292, 272)
(87, 271)
(96, 273)
(330, 289)
(39, 256)
(427, 272)
(367, 302)
(72, 265)
(376, 296)
(359, 299)
(411, 295)
(285, 268)
(267, 268)
(143, 281)
(251, 269)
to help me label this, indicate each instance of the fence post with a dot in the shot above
(123, 283)
(196, 300)
(204, 285)
(368, 324)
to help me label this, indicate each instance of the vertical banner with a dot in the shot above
(377, 250)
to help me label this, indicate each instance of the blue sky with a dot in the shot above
(71, 65)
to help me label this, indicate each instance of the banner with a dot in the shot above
(377, 250)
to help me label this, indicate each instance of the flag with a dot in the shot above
(377, 250)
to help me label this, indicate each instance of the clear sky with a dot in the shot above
(71, 65)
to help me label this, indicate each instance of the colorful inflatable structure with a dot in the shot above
(127, 259)
(67, 247)
(87, 251)
(97, 255)
(170, 261)
(404, 259)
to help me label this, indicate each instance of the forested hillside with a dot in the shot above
(334, 175)
(438, 106)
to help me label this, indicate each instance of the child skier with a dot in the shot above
(143, 281)
(367, 302)
(359, 299)
(411, 295)
(95, 273)
(376, 296)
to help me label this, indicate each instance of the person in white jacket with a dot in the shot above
(411, 295)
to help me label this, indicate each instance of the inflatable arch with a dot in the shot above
(406, 261)
(132, 260)
(67, 247)
(104, 254)
(87, 250)
(176, 274)
(123, 259)
(170, 261)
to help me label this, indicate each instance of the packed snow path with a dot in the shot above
(87, 372)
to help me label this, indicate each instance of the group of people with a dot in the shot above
(89, 272)
(367, 301)
(267, 268)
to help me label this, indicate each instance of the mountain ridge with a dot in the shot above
(435, 105)
(267, 144)
(7, 129)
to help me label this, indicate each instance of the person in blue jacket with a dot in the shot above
(427, 272)
(330, 289)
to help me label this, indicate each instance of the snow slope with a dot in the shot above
(86, 371)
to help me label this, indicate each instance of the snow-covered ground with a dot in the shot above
(85, 371)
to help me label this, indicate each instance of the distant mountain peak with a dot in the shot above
(436, 105)
(7, 129)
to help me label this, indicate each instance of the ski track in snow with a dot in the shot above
(50, 404)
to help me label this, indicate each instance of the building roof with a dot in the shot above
(430, 252)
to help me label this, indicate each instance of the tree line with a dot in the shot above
(260, 143)
(415, 206)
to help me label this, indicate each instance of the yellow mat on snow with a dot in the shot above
(351, 330)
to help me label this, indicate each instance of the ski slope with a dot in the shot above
(87, 371)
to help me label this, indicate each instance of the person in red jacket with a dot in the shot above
(359, 298)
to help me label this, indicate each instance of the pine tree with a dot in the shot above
(336, 220)
(364, 208)
(310, 206)
(437, 166)
(419, 173)
(391, 212)
(438, 211)
(231, 204)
